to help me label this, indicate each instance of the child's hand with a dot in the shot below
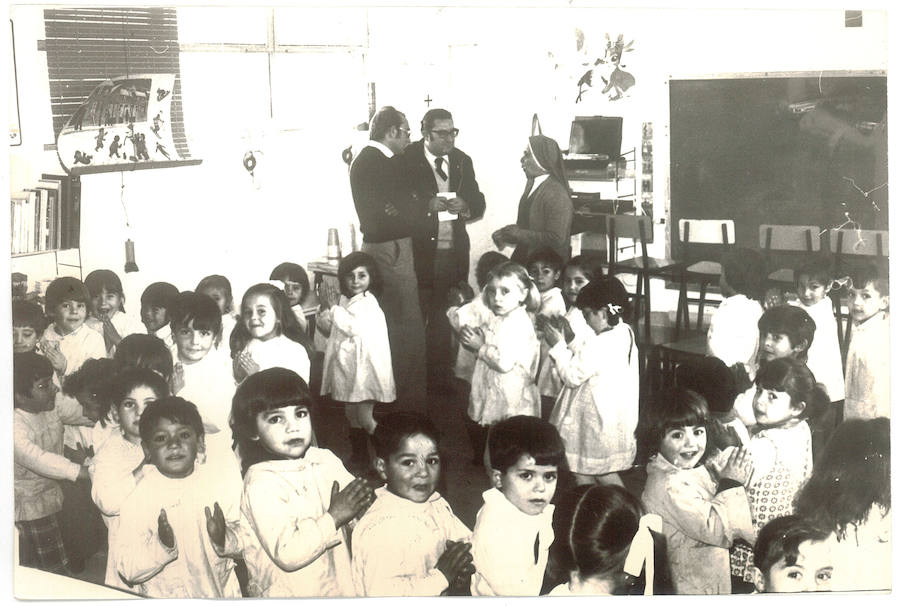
(455, 297)
(51, 351)
(176, 381)
(345, 504)
(455, 561)
(739, 467)
(552, 335)
(471, 338)
(215, 525)
(164, 529)
(110, 334)
(563, 324)
(76, 455)
(329, 295)
(247, 364)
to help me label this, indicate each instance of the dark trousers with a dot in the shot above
(433, 300)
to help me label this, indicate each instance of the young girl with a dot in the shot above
(597, 410)
(118, 465)
(156, 307)
(297, 498)
(108, 315)
(357, 369)
(701, 515)
(780, 446)
(268, 335)
(603, 543)
(409, 543)
(849, 494)
(474, 313)
(508, 350)
(296, 288)
(218, 288)
(577, 273)
(733, 336)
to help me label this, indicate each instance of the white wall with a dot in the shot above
(489, 66)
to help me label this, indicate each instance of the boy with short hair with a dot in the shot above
(409, 542)
(68, 342)
(166, 544)
(868, 393)
(157, 302)
(792, 555)
(39, 464)
(513, 529)
(545, 266)
(29, 323)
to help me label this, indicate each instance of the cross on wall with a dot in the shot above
(428, 100)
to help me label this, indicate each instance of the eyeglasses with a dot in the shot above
(403, 130)
(446, 133)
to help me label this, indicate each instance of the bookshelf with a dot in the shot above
(45, 231)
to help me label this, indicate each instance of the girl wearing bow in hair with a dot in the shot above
(596, 412)
(545, 209)
(604, 541)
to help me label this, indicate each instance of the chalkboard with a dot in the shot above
(779, 149)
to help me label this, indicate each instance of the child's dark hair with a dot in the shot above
(780, 539)
(145, 351)
(792, 321)
(487, 262)
(95, 376)
(359, 259)
(711, 378)
(589, 266)
(265, 390)
(220, 282)
(852, 475)
(745, 272)
(26, 313)
(291, 272)
(870, 273)
(160, 294)
(817, 268)
(129, 378)
(511, 269)
(512, 438)
(197, 308)
(29, 367)
(104, 279)
(673, 408)
(65, 289)
(396, 427)
(285, 322)
(607, 294)
(547, 256)
(793, 377)
(171, 408)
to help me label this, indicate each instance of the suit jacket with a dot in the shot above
(420, 177)
(375, 181)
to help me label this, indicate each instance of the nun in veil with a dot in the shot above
(545, 209)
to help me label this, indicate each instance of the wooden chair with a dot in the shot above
(638, 228)
(790, 238)
(697, 269)
(854, 243)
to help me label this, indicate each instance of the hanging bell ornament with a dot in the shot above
(130, 264)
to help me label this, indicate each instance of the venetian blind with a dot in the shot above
(86, 46)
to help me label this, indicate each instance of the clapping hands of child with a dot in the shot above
(738, 467)
(244, 366)
(329, 294)
(215, 525)
(350, 502)
(471, 338)
(51, 351)
(110, 335)
(164, 530)
(78, 454)
(176, 381)
(456, 564)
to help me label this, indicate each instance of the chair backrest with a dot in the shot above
(706, 231)
(803, 238)
(635, 227)
(866, 242)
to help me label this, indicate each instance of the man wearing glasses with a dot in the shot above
(383, 205)
(445, 197)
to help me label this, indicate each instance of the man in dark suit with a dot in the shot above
(383, 205)
(445, 197)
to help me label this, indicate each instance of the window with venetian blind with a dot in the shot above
(88, 45)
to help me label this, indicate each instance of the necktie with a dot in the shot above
(440, 171)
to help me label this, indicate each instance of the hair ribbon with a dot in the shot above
(640, 554)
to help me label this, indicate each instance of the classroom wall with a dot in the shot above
(492, 67)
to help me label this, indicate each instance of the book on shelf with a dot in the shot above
(47, 216)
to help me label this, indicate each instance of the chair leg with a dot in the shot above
(700, 305)
(681, 308)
